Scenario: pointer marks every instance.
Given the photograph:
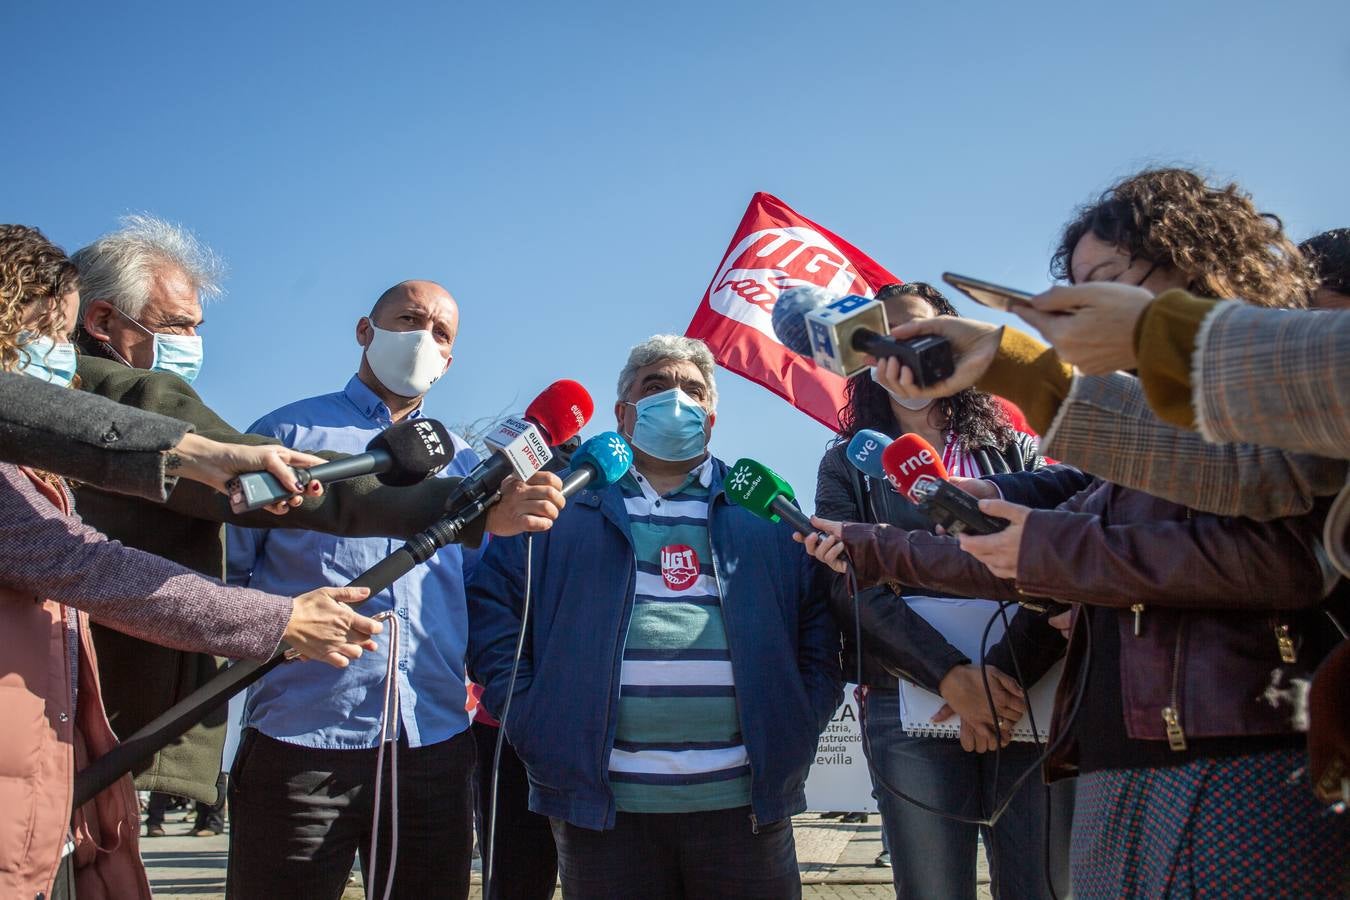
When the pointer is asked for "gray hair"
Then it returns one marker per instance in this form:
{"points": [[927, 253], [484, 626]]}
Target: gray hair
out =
{"points": [[118, 266], [669, 346]]}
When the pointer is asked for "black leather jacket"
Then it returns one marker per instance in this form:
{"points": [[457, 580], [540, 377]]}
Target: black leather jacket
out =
{"points": [[897, 642]]}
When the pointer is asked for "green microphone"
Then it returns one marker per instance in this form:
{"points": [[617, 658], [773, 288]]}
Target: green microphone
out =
{"points": [[759, 489]]}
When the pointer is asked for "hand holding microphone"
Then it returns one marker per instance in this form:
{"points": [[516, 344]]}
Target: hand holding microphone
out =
{"points": [[217, 464], [532, 505], [760, 490], [916, 470], [974, 345], [402, 455], [844, 334]]}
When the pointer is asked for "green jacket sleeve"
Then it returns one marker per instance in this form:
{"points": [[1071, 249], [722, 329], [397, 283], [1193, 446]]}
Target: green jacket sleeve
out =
{"points": [[360, 507]]}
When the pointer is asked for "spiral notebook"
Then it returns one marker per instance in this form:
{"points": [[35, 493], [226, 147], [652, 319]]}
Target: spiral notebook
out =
{"points": [[962, 623]]}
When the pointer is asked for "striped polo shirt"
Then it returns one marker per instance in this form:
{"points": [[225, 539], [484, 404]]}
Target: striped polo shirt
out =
{"points": [[677, 747]]}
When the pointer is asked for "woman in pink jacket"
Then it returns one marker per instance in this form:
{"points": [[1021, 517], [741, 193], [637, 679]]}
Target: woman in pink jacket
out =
{"points": [[55, 575]]}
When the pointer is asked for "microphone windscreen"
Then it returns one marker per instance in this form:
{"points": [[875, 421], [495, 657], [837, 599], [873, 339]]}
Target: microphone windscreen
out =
{"points": [[909, 460], [561, 410], [865, 450], [419, 449], [789, 315], [754, 486], [610, 456]]}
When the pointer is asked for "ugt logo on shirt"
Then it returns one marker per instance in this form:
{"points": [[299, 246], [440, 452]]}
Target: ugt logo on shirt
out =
{"points": [[679, 566]]}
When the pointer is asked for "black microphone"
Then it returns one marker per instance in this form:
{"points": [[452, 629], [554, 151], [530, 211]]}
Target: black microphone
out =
{"points": [[402, 455], [837, 333]]}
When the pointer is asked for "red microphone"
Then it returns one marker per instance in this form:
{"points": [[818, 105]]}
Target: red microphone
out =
{"points": [[520, 445], [561, 410], [916, 470], [909, 460]]}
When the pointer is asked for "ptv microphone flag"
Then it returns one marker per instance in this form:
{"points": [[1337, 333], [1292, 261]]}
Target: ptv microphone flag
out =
{"points": [[775, 249]]}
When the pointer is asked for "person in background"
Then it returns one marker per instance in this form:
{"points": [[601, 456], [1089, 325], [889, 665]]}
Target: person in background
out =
{"points": [[49, 692], [931, 856], [301, 790], [1329, 255]]}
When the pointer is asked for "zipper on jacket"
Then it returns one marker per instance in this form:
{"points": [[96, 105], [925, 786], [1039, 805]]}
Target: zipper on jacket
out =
{"points": [[1285, 642], [630, 601], [726, 625], [1138, 610], [1176, 736]]}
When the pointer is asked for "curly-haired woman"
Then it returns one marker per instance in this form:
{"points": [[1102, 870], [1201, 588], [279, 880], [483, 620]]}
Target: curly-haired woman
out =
{"points": [[933, 856], [55, 574], [1179, 710]]}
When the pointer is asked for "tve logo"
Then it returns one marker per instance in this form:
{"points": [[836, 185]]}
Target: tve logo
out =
{"points": [[867, 449]]}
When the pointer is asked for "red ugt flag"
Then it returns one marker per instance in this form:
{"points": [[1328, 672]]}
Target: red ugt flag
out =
{"points": [[774, 249]]}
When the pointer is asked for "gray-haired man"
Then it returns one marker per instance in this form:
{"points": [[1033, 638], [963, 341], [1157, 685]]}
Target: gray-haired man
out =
{"points": [[681, 648]]}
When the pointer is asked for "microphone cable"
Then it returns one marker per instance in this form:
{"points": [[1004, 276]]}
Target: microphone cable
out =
{"points": [[1000, 808], [388, 735], [489, 848]]}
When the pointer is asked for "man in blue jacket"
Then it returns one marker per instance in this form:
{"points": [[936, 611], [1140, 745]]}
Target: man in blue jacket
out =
{"points": [[679, 665]]}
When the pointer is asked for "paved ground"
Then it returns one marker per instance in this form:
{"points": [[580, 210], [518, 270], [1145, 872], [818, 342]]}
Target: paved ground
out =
{"points": [[836, 862]]}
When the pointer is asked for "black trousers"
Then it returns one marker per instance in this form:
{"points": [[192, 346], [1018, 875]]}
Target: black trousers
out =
{"points": [[208, 816], [527, 862], [299, 816], [668, 856]]}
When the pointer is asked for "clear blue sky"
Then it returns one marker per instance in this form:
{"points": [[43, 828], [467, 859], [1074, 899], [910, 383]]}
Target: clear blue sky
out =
{"points": [[573, 172]]}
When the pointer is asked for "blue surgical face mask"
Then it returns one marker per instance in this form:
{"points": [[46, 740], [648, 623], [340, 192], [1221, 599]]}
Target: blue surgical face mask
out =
{"points": [[49, 360], [670, 426], [177, 354]]}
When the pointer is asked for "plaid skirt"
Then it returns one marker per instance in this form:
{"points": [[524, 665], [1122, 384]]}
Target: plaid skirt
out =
{"points": [[1241, 826]]}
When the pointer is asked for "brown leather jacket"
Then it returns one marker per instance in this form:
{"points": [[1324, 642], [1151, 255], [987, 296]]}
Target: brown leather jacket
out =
{"points": [[1221, 604]]}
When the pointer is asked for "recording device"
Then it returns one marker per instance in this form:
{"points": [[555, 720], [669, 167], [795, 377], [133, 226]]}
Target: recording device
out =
{"points": [[520, 446], [865, 451], [985, 293], [402, 455], [838, 333], [917, 472], [760, 490]]}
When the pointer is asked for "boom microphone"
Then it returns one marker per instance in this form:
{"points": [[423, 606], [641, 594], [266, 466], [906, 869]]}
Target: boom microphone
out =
{"points": [[917, 472], [520, 446], [838, 333], [760, 490], [402, 455]]}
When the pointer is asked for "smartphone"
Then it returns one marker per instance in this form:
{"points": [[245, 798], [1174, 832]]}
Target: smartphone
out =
{"points": [[994, 296]]}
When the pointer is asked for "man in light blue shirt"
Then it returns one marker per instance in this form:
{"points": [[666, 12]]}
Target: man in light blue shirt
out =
{"points": [[302, 788]]}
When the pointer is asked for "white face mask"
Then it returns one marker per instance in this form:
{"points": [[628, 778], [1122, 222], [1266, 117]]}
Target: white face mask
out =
{"points": [[911, 405], [406, 362]]}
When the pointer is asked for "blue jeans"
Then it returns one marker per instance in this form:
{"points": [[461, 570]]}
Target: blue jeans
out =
{"points": [[933, 857]]}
